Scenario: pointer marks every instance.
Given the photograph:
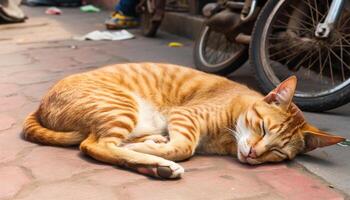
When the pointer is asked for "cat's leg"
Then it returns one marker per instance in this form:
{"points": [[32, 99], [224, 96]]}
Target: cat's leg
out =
{"points": [[110, 125], [184, 132], [106, 149]]}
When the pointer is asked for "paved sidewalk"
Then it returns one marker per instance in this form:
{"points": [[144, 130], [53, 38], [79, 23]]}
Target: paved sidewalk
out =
{"points": [[36, 54]]}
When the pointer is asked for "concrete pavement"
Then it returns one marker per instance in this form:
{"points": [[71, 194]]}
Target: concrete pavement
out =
{"points": [[34, 55]]}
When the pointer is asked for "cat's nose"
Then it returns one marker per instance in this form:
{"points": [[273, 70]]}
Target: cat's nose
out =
{"points": [[252, 153]]}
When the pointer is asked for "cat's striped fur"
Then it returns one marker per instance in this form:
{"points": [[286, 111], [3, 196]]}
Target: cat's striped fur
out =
{"points": [[146, 115]]}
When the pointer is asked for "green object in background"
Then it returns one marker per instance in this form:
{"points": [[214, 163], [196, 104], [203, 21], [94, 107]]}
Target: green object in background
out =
{"points": [[89, 8]]}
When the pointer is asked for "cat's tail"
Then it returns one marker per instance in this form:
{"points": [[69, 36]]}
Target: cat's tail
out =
{"points": [[35, 132]]}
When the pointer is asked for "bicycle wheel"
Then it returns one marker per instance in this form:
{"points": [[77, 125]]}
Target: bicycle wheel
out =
{"points": [[214, 53], [284, 43]]}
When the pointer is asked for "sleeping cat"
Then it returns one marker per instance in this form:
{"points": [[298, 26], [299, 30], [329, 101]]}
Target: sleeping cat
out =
{"points": [[145, 116]]}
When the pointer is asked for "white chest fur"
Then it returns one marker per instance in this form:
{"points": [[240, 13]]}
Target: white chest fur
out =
{"points": [[150, 120]]}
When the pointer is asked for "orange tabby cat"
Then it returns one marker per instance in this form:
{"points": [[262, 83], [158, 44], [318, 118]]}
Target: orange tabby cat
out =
{"points": [[145, 116]]}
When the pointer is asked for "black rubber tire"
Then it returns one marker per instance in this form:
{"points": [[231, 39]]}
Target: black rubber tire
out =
{"points": [[314, 104], [226, 69]]}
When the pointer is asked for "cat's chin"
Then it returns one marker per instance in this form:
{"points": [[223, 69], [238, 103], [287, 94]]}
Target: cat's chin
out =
{"points": [[247, 160], [253, 161]]}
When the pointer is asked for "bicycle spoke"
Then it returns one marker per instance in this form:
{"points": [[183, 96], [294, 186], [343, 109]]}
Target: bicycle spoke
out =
{"points": [[221, 56], [345, 28], [227, 46], [300, 11], [215, 58], [331, 68], [290, 57], [341, 46], [346, 22], [224, 52], [315, 9], [347, 53], [211, 53], [345, 35], [311, 13], [341, 65], [338, 58], [283, 43], [276, 44], [345, 40], [322, 65], [308, 55], [291, 17], [274, 38], [289, 48], [315, 60], [315, 3], [293, 28]]}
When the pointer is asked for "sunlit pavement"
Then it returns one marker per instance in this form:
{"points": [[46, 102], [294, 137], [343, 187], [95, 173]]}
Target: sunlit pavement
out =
{"points": [[36, 54]]}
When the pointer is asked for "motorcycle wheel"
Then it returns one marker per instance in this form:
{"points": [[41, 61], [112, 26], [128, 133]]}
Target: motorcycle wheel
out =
{"points": [[284, 44], [214, 53]]}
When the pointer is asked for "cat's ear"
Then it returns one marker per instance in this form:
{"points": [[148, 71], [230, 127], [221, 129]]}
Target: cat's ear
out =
{"points": [[314, 138], [283, 94]]}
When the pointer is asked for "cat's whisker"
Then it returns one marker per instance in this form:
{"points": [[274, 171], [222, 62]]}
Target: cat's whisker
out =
{"points": [[232, 132]]}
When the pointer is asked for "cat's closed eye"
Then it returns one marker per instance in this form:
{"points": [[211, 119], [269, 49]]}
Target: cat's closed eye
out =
{"points": [[279, 153], [263, 128]]}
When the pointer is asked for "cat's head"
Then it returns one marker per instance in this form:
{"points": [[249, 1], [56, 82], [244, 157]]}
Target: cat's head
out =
{"points": [[274, 129]]}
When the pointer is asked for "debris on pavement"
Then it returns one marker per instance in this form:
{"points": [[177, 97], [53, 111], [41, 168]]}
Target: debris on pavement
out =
{"points": [[89, 8], [175, 44], [53, 11], [345, 143], [107, 35]]}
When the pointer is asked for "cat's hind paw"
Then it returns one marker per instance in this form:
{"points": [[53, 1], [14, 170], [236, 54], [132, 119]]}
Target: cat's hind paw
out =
{"points": [[167, 170], [171, 170]]}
